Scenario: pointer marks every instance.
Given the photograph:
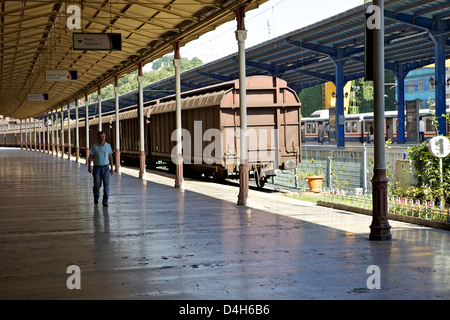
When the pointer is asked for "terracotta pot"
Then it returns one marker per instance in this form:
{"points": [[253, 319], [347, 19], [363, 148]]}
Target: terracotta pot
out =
{"points": [[315, 183]]}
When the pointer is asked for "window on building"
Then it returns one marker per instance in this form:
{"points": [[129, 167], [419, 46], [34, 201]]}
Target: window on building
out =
{"points": [[421, 85], [411, 86], [421, 104]]}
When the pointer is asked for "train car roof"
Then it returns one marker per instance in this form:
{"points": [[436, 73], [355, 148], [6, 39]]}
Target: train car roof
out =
{"points": [[253, 82]]}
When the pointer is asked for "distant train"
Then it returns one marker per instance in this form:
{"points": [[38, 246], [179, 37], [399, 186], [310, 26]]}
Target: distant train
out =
{"points": [[211, 114], [356, 126]]}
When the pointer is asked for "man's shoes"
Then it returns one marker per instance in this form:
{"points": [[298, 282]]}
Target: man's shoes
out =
{"points": [[96, 202], [105, 204]]}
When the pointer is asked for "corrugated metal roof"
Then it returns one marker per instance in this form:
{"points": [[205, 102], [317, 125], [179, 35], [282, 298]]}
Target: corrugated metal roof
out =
{"points": [[191, 102], [34, 37], [302, 57]]}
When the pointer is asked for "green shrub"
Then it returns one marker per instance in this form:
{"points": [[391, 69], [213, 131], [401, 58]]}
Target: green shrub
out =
{"points": [[428, 186]]}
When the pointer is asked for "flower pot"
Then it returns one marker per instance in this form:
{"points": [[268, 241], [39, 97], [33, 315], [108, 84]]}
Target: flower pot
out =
{"points": [[315, 183]]}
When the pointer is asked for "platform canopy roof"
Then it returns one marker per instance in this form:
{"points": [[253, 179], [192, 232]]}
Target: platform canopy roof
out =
{"points": [[35, 37], [307, 56]]}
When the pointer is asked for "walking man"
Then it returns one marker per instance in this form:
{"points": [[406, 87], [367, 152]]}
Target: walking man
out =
{"points": [[101, 153]]}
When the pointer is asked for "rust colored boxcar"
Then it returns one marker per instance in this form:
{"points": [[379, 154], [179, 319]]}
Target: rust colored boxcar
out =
{"points": [[211, 128]]}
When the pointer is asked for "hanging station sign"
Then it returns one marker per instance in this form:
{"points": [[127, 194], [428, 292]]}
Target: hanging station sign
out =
{"points": [[37, 96], [61, 75], [97, 41]]}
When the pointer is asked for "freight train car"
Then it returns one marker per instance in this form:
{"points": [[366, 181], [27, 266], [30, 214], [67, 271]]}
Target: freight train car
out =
{"points": [[211, 123], [211, 129]]}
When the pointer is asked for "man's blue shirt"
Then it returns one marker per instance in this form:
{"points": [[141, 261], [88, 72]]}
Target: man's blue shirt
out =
{"points": [[101, 154]]}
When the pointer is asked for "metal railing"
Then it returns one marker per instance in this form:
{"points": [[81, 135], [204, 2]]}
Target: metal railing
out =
{"points": [[400, 206], [354, 198], [419, 208]]}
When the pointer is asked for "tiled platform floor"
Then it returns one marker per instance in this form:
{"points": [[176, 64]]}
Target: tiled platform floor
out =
{"points": [[158, 242]]}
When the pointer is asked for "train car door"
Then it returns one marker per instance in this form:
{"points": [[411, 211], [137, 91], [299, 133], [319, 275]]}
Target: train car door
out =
{"points": [[390, 129]]}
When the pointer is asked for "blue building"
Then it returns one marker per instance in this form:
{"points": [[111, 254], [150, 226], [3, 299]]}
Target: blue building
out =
{"points": [[419, 84]]}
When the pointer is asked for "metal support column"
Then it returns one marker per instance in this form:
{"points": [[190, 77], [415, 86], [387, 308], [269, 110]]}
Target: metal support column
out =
{"points": [[99, 109], [69, 138], [179, 181], [141, 123], [26, 134], [35, 134], [77, 134], [21, 136], [53, 134], [116, 91], [30, 131], [401, 74], [241, 36], [339, 83], [380, 228], [86, 103], [440, 40], [40, 132], [56, 132], [62, 133], [48, 135]]}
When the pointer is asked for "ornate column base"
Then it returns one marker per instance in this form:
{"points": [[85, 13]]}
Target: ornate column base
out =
{"points": [[117, 160], [179, 180], [142, 165], [243, 183], [380, 229]]}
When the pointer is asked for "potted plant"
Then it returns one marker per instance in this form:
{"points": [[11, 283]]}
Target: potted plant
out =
{"points": [[315, 176], [313, 173]]}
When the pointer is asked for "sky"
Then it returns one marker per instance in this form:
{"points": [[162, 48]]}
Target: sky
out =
{"points": [[272, 19]]}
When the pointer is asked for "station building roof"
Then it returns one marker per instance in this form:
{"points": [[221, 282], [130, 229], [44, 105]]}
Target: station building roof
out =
{"points": [[306, 57], [35, 37]]}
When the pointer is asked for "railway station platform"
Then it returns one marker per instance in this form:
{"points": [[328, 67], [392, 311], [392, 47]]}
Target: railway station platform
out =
{"points": [[158, 242]]}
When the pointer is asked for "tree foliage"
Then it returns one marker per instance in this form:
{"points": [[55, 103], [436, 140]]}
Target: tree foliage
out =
{"points": [[428, 186], [311, 99], [161, 68], [364, 96], [427, 172]]}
